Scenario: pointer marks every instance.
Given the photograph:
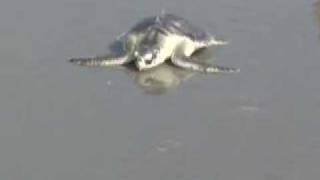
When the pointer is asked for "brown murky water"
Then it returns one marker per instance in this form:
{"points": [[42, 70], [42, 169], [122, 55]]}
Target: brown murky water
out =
{"points": [[60, 121]]}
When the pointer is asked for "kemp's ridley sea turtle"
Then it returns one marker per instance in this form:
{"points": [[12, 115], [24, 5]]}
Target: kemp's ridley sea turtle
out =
{"points": [[156, 39]]}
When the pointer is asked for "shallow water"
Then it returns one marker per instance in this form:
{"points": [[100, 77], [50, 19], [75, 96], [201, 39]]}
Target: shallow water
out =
{"points": [[61, 121]]}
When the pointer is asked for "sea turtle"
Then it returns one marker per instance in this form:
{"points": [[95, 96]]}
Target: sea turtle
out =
{"points": [[159, 38]]}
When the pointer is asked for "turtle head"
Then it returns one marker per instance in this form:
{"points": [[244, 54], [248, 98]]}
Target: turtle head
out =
{"points": [[147, 57]]}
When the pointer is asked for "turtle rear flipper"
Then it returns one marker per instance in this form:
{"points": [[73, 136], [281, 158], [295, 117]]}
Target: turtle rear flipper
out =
{"points": [[108, 60]]}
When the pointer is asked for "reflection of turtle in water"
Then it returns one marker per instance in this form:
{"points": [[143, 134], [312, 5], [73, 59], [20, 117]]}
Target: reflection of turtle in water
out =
{"points": [[157, 39], [160, 79]]}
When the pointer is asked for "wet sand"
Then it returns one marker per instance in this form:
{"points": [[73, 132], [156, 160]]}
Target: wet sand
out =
{"points": [[61, 121]]}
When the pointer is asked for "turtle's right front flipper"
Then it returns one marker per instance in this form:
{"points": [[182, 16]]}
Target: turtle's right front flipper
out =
{"points": [[108, 60]]}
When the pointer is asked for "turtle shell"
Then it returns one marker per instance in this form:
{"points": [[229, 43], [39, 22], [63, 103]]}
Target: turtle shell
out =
{"points": [[169, 24]]}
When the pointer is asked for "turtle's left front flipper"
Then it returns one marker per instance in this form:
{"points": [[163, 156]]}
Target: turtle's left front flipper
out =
{"points": [[108, 60], [185, 63]]}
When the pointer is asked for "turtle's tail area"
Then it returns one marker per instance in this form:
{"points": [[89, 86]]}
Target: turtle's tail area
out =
{"points": [[221, 69], [98, 61]]}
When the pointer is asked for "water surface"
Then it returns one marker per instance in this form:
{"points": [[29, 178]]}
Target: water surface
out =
{"points": [[61, 121]]}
